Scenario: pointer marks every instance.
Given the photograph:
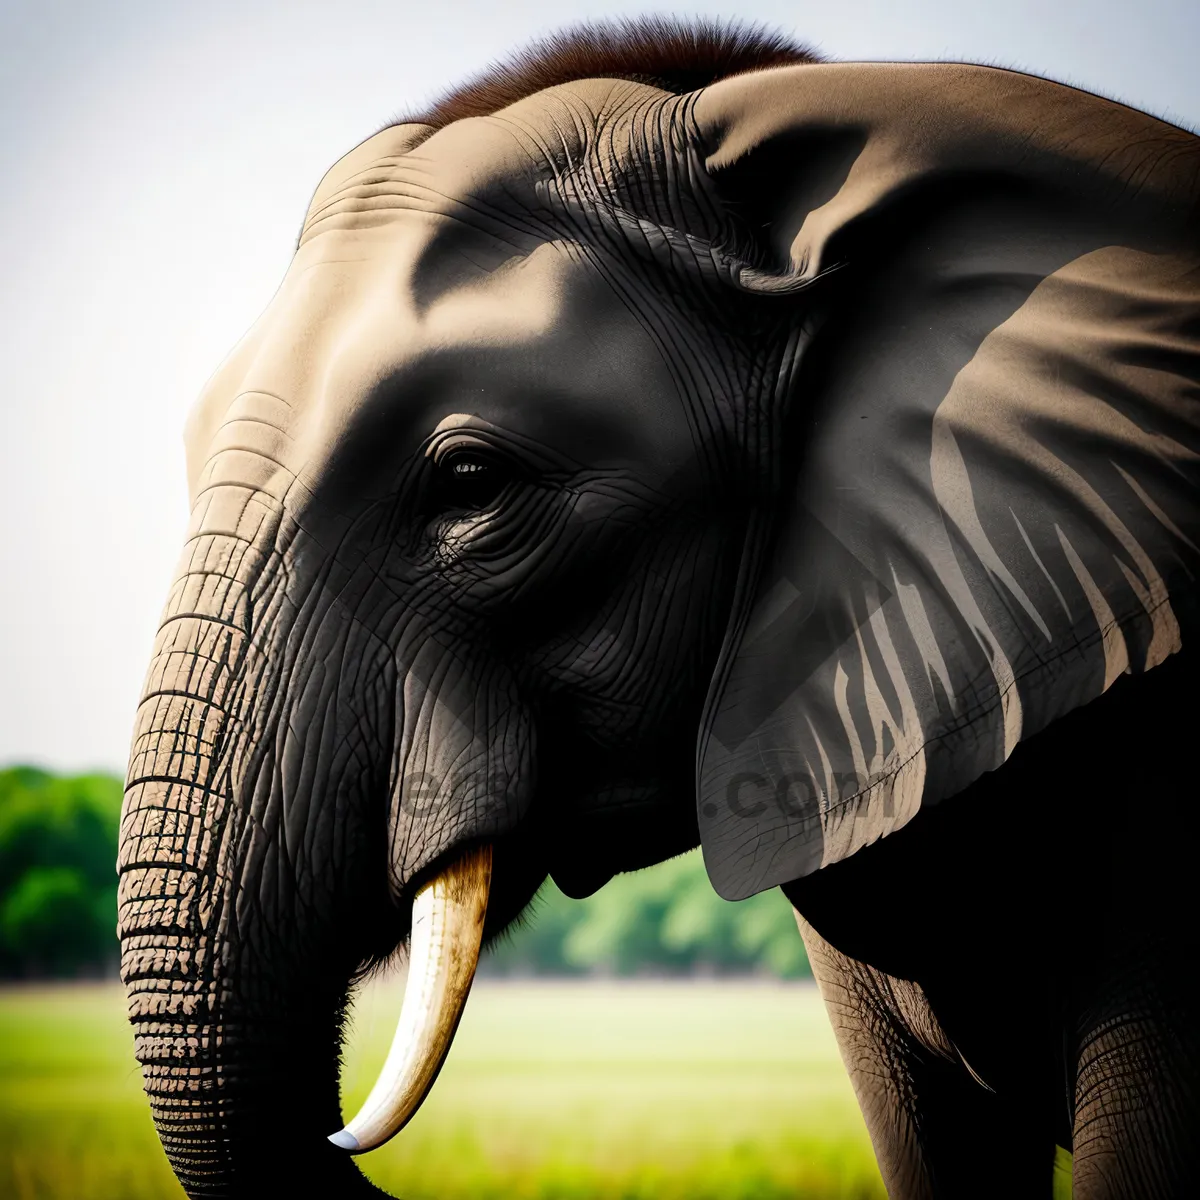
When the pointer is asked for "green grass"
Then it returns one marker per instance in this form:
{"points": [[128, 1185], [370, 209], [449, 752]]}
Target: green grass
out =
{"points": [[553, 1091], [686, 1089], [73, 1121]]}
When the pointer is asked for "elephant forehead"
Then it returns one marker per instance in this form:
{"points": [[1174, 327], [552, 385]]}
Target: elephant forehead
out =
{"points": [[540, 343], [483, 166], [382, 332], [474, 163]]}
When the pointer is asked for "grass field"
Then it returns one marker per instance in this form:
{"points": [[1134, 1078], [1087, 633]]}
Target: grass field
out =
{"points": [[553, 1091]]}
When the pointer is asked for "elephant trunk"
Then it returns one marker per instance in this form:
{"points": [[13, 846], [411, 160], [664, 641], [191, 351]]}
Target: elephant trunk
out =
{"points": [[238, 1043]]}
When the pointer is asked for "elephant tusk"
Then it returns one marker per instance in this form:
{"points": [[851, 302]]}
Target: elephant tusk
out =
{"points": [[447, 929]]}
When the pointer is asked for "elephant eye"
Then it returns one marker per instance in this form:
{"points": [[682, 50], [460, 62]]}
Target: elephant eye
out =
{"points": [[471, 481]]}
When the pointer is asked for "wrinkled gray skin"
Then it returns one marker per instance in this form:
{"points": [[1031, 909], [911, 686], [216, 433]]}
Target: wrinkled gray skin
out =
{"points": [[359, 673], [369, 662]]}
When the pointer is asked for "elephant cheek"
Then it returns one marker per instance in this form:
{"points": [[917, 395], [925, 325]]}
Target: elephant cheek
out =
{"points": [[464, 771]]}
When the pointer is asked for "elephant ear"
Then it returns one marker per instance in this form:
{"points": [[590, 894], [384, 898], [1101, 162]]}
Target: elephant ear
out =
{"points": [[992, 449]]}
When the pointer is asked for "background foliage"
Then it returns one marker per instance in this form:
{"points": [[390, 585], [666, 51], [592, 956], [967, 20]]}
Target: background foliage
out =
{"points": [[58, 895], [58, 845], [666, 920]]}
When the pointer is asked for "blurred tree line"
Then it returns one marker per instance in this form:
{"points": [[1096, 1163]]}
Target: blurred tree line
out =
{"points": [[664, 920], [58, 885], [58, 847]]}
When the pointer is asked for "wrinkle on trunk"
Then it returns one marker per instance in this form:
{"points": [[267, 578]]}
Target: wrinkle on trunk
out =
{"points": [[240, 1071], [173, 846]]}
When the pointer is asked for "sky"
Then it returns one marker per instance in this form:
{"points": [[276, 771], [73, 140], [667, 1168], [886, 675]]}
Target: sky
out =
{"points": [[157, 161]]}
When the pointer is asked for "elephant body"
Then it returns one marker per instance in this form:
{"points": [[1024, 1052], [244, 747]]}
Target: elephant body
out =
{"points": [[995, 994], [671, 440]]}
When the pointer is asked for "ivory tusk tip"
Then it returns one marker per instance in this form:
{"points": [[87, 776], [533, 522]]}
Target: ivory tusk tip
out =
{"points": [[447, 929], [344, 1140]]}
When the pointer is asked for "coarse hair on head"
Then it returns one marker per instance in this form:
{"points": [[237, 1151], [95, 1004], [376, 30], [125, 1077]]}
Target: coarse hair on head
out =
{"points": [[670, 53]]}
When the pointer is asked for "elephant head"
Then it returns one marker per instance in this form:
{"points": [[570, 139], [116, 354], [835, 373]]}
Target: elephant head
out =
{"points": [[630, 459]]}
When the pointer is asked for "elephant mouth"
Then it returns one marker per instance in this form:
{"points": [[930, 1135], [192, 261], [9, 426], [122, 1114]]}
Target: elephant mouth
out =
{"points": [[592, 843], [450, 917], [447, 932]]}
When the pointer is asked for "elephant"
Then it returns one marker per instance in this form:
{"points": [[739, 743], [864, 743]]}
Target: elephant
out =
{"points": [[671, 438]]}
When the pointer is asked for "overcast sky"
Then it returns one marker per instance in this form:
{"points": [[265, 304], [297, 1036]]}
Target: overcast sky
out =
{"points": [[157, 161]]}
